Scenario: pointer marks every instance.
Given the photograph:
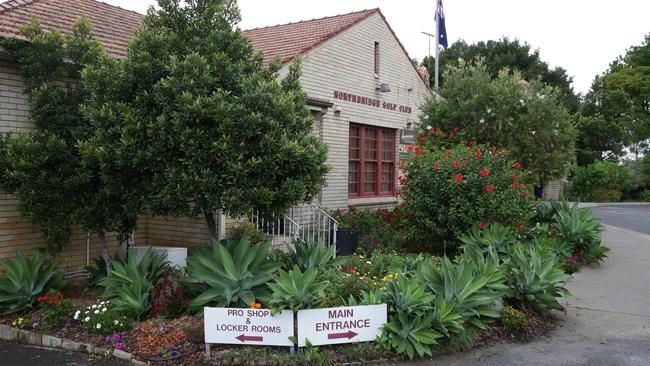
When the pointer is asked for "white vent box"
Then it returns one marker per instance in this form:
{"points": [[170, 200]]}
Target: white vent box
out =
{"points": [[176, 256]]}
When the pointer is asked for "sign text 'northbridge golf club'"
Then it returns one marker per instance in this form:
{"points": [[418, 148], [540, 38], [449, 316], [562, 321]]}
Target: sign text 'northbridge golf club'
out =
{"points": [[371, 102]]}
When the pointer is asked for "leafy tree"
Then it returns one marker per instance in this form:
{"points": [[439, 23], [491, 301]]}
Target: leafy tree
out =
{"points": [[616, 111], [54, 185], [504, 53], [528, 119], [194, 120]]}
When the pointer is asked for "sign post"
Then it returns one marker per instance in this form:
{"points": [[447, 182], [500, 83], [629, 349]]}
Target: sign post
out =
{"points": [[255, 327], [341, 325]]}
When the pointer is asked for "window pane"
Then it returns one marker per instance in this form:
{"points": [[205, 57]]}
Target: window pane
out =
{"points": [[387, 145], [370, 144], [387, 173], [353, 178], [369, 177], [355, 143]]}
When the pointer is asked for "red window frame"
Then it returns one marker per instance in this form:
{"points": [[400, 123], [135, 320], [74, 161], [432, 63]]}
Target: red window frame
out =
{"points": [[361, 162]]}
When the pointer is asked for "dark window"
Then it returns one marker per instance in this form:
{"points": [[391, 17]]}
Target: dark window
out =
{"points": [[377, 58], [371, 161]]}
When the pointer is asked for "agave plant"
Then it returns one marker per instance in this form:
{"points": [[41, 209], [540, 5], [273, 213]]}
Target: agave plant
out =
{"points": [[535, 278], [408, 334], [25, 279], [367, 298], [235, 275], [498, 236], [296, 290], [471, 291], [314, 255], [447, 320], [131, 283], [404, 295], [579, 227]]}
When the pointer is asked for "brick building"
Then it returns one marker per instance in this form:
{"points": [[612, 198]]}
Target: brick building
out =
{"points": [[363, 91]]}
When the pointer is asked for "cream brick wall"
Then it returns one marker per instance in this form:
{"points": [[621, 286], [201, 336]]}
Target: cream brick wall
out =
{"points": [[346, 64]]}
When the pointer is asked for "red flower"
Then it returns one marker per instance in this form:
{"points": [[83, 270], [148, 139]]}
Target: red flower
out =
{"points": [[424, 151], [352, 269], [520, 225], [59, 294], [421, 132], [471, 143], [516, 184], [494, 149], [437, 128], [514, 177], [485, 172], [459, 178], [456, 164], [50, 302], [432, 132], [422, 138], [478, 153], [455, 129], [451, 136], [517, 165], [482, 225], [58, 302], [448, 153], [442, 135], [436, 166], [409, 148], [489, 189], [526, 194]]}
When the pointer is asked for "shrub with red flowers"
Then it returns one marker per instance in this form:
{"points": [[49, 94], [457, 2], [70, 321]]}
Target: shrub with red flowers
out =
{"points": [[448, 189], [170, 297], [55, 308]]}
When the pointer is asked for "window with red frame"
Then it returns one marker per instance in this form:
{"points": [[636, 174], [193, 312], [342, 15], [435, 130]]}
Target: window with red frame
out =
{"points": [[371, 161]]}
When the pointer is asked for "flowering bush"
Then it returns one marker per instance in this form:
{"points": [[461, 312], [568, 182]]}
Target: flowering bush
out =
{"points": [[55, 308], [24, 324], [170, 299], [115, 341], [446, 191], [512, 319], [102, 318], [601, 182]]}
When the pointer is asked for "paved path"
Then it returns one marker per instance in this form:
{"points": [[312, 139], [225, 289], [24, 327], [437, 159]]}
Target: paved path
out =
{"points": [[632, 217], [18, 355], [608, 323]]}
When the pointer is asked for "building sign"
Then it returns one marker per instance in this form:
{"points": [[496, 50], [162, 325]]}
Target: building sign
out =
{"points": [[341, 325], [371, 102], [406, 138], [248, 327]]}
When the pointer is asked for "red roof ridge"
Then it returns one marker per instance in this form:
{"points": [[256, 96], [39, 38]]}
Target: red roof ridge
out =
{"points": [[12, 4], [113, 6], [371, 11]]}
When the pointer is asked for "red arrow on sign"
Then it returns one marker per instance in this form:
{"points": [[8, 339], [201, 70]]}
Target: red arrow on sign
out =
{"points": [[349, 335], [243, 338]]}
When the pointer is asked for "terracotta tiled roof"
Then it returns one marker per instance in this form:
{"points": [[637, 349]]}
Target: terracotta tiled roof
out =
{"points": [[113, 26], [288, 40]]}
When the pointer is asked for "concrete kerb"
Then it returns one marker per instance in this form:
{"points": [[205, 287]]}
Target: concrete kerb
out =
{"points": [[610, 204], [9, 333]]}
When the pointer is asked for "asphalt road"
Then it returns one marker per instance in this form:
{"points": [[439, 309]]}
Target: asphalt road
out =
{"points": [[18, 355], [636, 218]]}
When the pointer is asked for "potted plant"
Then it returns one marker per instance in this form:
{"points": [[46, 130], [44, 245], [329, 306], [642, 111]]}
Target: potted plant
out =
{"points": [[347, 236]]}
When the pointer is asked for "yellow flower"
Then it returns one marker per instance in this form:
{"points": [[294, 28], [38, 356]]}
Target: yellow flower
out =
{"points": [[384, 278], [13, 323], [20, 321]]}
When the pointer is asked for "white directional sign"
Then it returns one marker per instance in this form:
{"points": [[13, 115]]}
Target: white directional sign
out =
{"points": [[341, 325], [248, 327]]}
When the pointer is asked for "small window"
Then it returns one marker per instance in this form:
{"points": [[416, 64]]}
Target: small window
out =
{"points": [[371, 161], [376, 58]]}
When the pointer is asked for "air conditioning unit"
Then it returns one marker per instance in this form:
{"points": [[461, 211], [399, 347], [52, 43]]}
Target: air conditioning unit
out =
{"points": [[176, 256]]}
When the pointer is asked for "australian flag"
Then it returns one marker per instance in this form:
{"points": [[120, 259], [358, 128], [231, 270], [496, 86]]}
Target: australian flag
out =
{"points": [[442, 30]]}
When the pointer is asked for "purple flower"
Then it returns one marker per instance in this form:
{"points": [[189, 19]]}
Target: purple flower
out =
{"points": [[119, 345], [107, 339], [35, 325], [117, 337], [174, 350]]}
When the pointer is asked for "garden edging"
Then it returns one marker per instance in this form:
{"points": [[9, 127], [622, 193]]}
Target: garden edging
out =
{"points": [[9, 333]]}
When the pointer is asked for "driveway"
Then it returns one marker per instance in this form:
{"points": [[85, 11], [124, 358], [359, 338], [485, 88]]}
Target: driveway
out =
{"points": [[608, 323], [12, 354]]}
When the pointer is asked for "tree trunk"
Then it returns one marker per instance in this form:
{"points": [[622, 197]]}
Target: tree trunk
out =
{"points": [[212, 226], [105, 253]]}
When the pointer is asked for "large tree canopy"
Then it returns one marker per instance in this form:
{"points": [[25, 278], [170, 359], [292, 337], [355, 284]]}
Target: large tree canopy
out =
{"points": [[194, 121], [528, 119], [45, 169], [504, 53], [616, 111]]}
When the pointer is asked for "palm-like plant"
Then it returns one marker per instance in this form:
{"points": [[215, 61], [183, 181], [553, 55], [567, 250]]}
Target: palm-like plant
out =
{"points": [[497, 236], [535, 278], [578, 227], [131, 283], [296, 290], [25, 279], [235, 275], [409, 334], [314, 255], [407, 296]]}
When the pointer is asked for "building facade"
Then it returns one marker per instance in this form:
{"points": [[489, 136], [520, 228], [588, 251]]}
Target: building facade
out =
{"points": [[362, 88]]}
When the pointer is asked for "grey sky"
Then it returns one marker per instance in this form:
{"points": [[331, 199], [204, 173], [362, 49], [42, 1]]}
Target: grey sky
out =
{"points": [[583, 36]]}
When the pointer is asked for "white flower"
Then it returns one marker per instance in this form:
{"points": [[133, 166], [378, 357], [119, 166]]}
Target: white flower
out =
{"points": [[102, 303], [94, 306], [76, 315], [86, 312], [482, 120], [489, 110], [98, 326], [86, 319], [104, 310], [121, 324], [369, 262], [426, 117], [96, 312], [521, 101], [116, 322], [429, 127]]}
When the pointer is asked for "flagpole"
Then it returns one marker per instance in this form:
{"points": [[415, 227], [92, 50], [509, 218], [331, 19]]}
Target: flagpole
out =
{"points": [[437, 45]]}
